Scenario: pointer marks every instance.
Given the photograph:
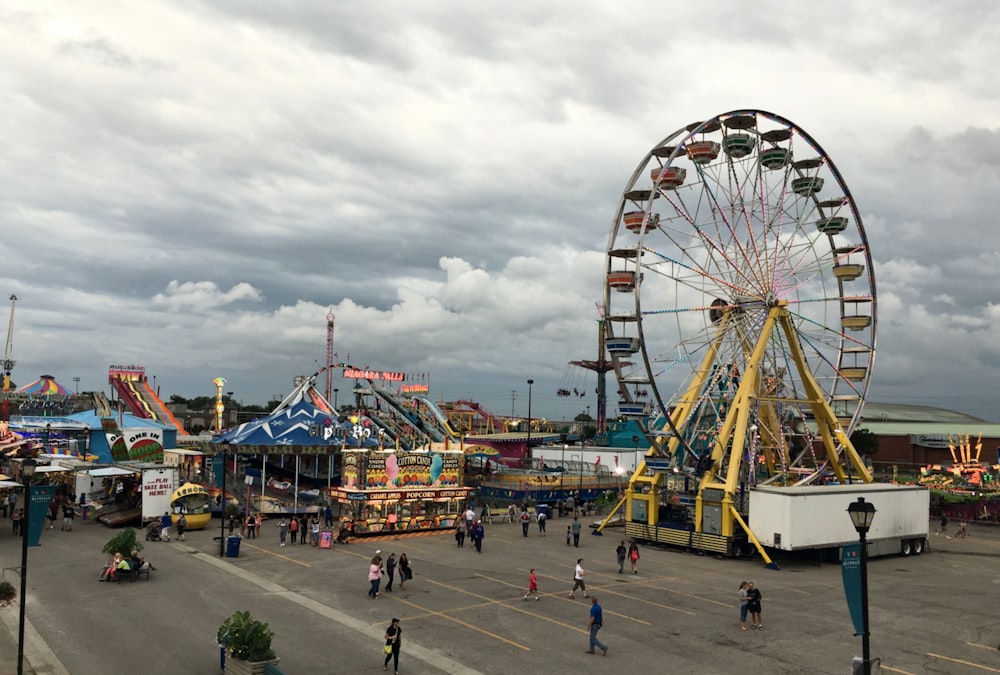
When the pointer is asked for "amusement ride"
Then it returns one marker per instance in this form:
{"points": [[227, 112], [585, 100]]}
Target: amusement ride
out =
{"points": [[740, 321]]}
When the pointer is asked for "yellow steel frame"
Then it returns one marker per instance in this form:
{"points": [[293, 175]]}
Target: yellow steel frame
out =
{"points": [[727, 452]]}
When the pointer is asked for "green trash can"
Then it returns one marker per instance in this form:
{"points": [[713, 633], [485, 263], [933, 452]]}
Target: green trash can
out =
{"points": [[233, 547]]}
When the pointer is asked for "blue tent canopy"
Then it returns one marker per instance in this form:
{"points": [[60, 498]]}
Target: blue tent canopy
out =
{"points": [[298, 426]]}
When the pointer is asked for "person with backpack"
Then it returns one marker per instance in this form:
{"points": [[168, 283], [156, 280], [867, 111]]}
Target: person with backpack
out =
{"points": [[621, 552], [525, 522], [182, 524]]}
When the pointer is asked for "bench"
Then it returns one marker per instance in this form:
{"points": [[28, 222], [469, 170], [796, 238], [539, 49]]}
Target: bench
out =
{"points": [[133, 574]]}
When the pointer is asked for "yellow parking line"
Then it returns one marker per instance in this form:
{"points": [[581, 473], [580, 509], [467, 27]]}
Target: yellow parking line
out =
{"points": [[276, 555], [896, 670], [601, 588], [493, 601], [976, 644], [463, 623], [964, 663]]}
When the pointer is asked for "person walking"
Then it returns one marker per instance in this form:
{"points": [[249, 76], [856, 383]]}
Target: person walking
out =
{"points": [[460, 534], [15, 520], [390, 572], [576, 532], [405, 573], [470, 520], [753, 606], [293, 529], [633, 557], [541, 523], [182, 524], [744, 598], [165, 524], [525, 522], [393, 642], [282, 530], [578, 575], [532, 585], [569, 535], [943, 528], [314, 530], [68, 514], [259, 524], [374, 577], [328, 516], [621, 552], [478, 533], [251, 527], [595, 624], [303, 529], [12, 502]]}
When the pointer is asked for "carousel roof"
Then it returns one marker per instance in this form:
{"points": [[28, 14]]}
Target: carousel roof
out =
{"points": [[45, 385], [303, 419]]}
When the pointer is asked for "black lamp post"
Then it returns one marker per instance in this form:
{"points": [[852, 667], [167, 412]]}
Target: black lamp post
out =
{"points": [[28, 470], [527, 459], [862, 513]]}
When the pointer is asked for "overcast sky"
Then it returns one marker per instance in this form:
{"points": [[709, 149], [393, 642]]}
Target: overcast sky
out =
{"points": [[193, 186]]}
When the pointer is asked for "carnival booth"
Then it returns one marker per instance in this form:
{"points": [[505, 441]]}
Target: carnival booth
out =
{"points": [[192, 501], [393, 490], [302, 440]]}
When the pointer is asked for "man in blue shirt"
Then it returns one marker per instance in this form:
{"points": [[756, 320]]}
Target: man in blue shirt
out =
{"points": [[596, 622]]}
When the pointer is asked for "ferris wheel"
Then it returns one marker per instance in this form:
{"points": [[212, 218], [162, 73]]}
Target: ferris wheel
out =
{"points": [[740, 304]]}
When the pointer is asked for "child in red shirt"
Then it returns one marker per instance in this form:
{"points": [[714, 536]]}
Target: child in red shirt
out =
{"points": [[532, 585]]}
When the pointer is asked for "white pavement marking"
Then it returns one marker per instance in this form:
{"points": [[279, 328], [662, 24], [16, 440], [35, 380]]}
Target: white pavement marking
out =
{"points": [[428, 656]]}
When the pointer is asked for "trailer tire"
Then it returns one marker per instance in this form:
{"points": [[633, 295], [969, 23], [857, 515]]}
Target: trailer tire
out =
{"points": [[906, 548], [918, 546]]}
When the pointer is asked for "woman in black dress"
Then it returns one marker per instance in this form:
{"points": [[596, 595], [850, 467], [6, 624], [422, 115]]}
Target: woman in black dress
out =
{"points": [[404, 571]]}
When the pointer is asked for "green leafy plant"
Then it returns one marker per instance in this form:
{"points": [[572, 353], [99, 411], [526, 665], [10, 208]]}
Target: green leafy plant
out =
{"points": [[232, 511], [246, 638], [7, 593], [124, 542]]}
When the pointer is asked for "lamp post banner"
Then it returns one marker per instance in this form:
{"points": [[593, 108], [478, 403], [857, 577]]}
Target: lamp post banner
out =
{"points": [[40, 496], [850, 568]]}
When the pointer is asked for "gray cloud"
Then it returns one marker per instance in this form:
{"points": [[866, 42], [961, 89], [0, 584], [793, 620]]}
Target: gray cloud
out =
{"points": [[194, 186]]}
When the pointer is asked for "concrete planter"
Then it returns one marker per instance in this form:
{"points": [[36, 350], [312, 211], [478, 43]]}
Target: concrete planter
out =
{"points": [[240, 667]]}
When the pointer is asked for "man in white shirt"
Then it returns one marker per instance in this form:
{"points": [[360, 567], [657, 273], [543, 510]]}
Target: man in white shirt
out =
{"points": [[578, 580], [470, 520]]}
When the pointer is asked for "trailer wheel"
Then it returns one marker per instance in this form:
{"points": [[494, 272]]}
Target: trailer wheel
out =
{"points": [[918, 546], [906, 548]]}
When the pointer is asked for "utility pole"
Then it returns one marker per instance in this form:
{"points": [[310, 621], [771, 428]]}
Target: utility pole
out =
{"points": [[513, 397]]}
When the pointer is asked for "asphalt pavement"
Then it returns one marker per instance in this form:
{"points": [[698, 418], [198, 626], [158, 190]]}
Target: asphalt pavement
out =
{"points": [[463, 612]]}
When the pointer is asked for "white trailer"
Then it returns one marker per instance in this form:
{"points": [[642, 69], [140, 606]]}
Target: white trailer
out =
{"points": [[158, 485], [815, 517]]}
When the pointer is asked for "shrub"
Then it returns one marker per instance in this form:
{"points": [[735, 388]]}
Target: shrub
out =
{"points": [[124, 542], [246, 638]]}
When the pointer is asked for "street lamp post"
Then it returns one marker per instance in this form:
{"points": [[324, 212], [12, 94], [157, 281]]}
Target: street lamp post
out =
{"points": [[76, 380], [528, 448], [862, 513], [635, 452], [335, 390], [28, 470]]}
